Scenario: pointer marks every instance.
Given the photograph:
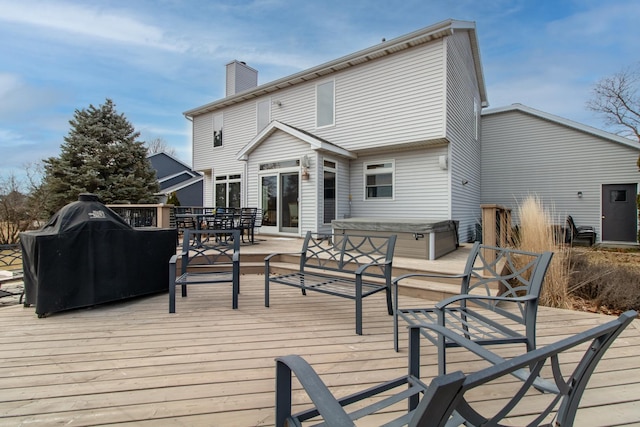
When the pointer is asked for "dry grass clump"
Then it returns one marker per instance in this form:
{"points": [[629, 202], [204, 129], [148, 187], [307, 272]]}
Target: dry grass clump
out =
{"points": [[536, 234], [607, 278]]}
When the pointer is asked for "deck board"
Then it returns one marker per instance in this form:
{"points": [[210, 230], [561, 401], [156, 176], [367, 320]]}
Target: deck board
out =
{"points": [[133, 363]]}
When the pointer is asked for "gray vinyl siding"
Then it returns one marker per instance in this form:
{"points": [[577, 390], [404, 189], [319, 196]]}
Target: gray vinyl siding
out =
{"points": [[420, 186], [464, 155], [525, 155], [395, 100]]}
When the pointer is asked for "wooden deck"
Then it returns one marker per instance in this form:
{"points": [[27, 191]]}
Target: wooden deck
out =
{"points": [[133, 363]]}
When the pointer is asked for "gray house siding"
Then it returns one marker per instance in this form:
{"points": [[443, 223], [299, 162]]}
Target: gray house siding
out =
{"points": [[464, 151], [420, 186], [524, 155], [391, 103]]}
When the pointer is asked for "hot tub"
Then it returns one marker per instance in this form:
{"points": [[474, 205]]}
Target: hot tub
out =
{"points": [[417, 238]]}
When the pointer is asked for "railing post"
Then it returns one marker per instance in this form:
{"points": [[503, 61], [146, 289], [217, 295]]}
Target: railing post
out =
{"points": [[496, 229]]}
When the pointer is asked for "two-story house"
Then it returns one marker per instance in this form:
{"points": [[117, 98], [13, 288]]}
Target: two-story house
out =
{"points": [[390, 138], [388, 132]]}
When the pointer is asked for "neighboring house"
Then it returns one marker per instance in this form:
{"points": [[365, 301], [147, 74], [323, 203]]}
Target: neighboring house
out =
{"points": [[387, 132], [392, 132], [575, 169], [175, 176]]}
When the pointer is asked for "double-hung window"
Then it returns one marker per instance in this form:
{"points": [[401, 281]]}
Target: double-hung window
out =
{"points": [[325, 104], [263, 114], [378, 179]]}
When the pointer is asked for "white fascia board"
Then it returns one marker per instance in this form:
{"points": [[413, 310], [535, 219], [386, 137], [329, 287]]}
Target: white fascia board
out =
{"points": [[315, 143]]}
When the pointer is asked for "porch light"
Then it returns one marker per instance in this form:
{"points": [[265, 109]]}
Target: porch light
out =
{"points": [[305, 167]]}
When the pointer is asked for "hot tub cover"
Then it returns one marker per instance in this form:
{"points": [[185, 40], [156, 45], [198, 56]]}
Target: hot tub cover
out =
{"points": [[86, 255], [406, 225]]}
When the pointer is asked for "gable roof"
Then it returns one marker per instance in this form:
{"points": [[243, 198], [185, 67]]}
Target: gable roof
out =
{"points": [[564, 122], [163, 154], [425, 35], [315, 142], [181, 185]]}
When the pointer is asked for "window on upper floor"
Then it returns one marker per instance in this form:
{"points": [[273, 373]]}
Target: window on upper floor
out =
{"points": [[378, 180], [325, 104], [217, 130], [263, 112]]}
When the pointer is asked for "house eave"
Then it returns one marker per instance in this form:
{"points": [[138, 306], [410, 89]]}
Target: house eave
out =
{"points": [[315, 143]]}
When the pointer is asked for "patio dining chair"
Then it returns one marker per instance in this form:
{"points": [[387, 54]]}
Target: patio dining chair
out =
{"points": [[497, 303]]}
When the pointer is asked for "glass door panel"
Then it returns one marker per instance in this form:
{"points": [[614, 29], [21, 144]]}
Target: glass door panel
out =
{"points": [[289, 197], [269, 196]]}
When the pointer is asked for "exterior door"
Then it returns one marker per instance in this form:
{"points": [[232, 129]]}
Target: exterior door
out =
{"points": [[279, 202], [619, 212]]}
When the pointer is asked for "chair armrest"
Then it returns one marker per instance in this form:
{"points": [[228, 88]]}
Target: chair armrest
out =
{"points": [[438, 276], [174, 259], [326, 404], [458, 339], [448, 301]]}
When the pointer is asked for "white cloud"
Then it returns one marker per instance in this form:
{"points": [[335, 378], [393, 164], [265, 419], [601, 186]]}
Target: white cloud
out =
{"points": [[87, 20]]}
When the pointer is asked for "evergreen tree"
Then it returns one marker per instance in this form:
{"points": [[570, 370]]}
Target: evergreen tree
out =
{"points": [[100, 155]]}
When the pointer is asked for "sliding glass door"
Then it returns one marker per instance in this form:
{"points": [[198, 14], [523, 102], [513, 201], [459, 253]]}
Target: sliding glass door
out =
{"points": [[279, 202]]}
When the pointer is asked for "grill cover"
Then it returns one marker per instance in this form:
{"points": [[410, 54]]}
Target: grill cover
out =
{"points": [[87, 255]]}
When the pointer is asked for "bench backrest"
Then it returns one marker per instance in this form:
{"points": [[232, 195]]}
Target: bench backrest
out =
{"points": [[569, 379], [348, 252], [511, 273], [209, 247]]}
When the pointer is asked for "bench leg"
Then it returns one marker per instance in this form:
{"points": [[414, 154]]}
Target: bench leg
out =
{"points": [[266, 284], [359, 305]]}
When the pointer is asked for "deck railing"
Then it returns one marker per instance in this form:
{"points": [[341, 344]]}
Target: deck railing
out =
{"points": [[146, 215]]}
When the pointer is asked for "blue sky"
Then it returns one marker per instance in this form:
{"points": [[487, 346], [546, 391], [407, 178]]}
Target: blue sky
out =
{"points": [[158, 58]]}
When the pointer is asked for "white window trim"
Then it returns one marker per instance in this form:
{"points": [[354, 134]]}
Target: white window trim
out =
{"points": [[333, 118], [382, 171]]}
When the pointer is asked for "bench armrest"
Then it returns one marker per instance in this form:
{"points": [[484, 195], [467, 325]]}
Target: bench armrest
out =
{"points": [[268, 257], [360, 270]]}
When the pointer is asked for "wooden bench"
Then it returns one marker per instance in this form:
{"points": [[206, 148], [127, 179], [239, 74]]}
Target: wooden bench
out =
{"points": [[552, 382], [345, 265], [497, 304]]}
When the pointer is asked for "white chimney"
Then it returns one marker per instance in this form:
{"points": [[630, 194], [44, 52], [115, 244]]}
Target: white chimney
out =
{"points": [[240, 77]]}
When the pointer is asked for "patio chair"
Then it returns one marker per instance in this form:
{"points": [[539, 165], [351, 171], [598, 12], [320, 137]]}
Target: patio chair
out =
{"points": [[497, 303], [444, 400], [247, 222], [207, 257], [584, 232]]}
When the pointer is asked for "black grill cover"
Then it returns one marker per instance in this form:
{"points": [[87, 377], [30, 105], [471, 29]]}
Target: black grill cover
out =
{"points": [[86, 255]]}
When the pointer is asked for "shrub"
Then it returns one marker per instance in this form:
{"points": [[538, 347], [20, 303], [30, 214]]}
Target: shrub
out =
{"points": [[610, 279], [536, 234]]}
